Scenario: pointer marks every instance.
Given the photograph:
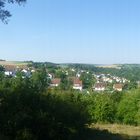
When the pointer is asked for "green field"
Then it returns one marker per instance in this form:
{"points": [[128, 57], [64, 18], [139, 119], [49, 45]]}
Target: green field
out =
{"points": [[14, 63]]}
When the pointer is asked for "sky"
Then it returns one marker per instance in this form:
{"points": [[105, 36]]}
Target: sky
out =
{"points": [[73, 31]]}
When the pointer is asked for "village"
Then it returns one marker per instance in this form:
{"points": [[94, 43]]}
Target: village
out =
{"points": [[81, 80], [102, 82]]}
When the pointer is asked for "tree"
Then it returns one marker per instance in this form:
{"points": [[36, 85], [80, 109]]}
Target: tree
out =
{"points": [[26, 115], [88, 80], [39, 80], [1, 69], [5, 14], [128, 108], [101, 108]]}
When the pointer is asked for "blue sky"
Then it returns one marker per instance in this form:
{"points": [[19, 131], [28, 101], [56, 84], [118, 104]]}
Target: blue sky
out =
{"points": [[78, 31]]}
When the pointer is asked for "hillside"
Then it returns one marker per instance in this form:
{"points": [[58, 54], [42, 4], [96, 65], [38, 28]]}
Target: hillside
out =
{"points": [[14, 63]]}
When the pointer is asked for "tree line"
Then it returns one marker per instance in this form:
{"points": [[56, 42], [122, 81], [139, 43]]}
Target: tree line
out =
{"points": [[30, 111]]}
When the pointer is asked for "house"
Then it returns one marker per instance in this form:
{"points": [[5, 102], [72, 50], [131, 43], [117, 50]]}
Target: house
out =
{"points": [[10, 70], [110, 81], [73, 70], [55, 82], [8, 73], [107, 79], [77, 84], [33, 70], [50, 76], [100, 86], [24, 70], [26, 73], [118, 87], [78, 75]]}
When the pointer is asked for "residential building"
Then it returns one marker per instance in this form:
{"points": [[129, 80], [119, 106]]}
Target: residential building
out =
{"points": [[118, 87], [77, 84], [99, 86], [55, 82]]}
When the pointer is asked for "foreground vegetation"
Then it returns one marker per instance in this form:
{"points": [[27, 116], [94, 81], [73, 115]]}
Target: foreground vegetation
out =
{"points": [[30, 110]]}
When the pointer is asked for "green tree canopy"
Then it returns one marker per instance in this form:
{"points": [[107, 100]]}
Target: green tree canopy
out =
{"points": [[128, 108]]}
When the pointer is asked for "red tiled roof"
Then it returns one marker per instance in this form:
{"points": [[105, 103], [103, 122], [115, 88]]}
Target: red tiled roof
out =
{"points": [[10, 67], [118, 86], [77, 81], [100, 85], [56, 81]]}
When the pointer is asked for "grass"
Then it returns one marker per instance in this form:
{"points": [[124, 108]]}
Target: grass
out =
{"points": [[110, 66], [128, 130]]}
